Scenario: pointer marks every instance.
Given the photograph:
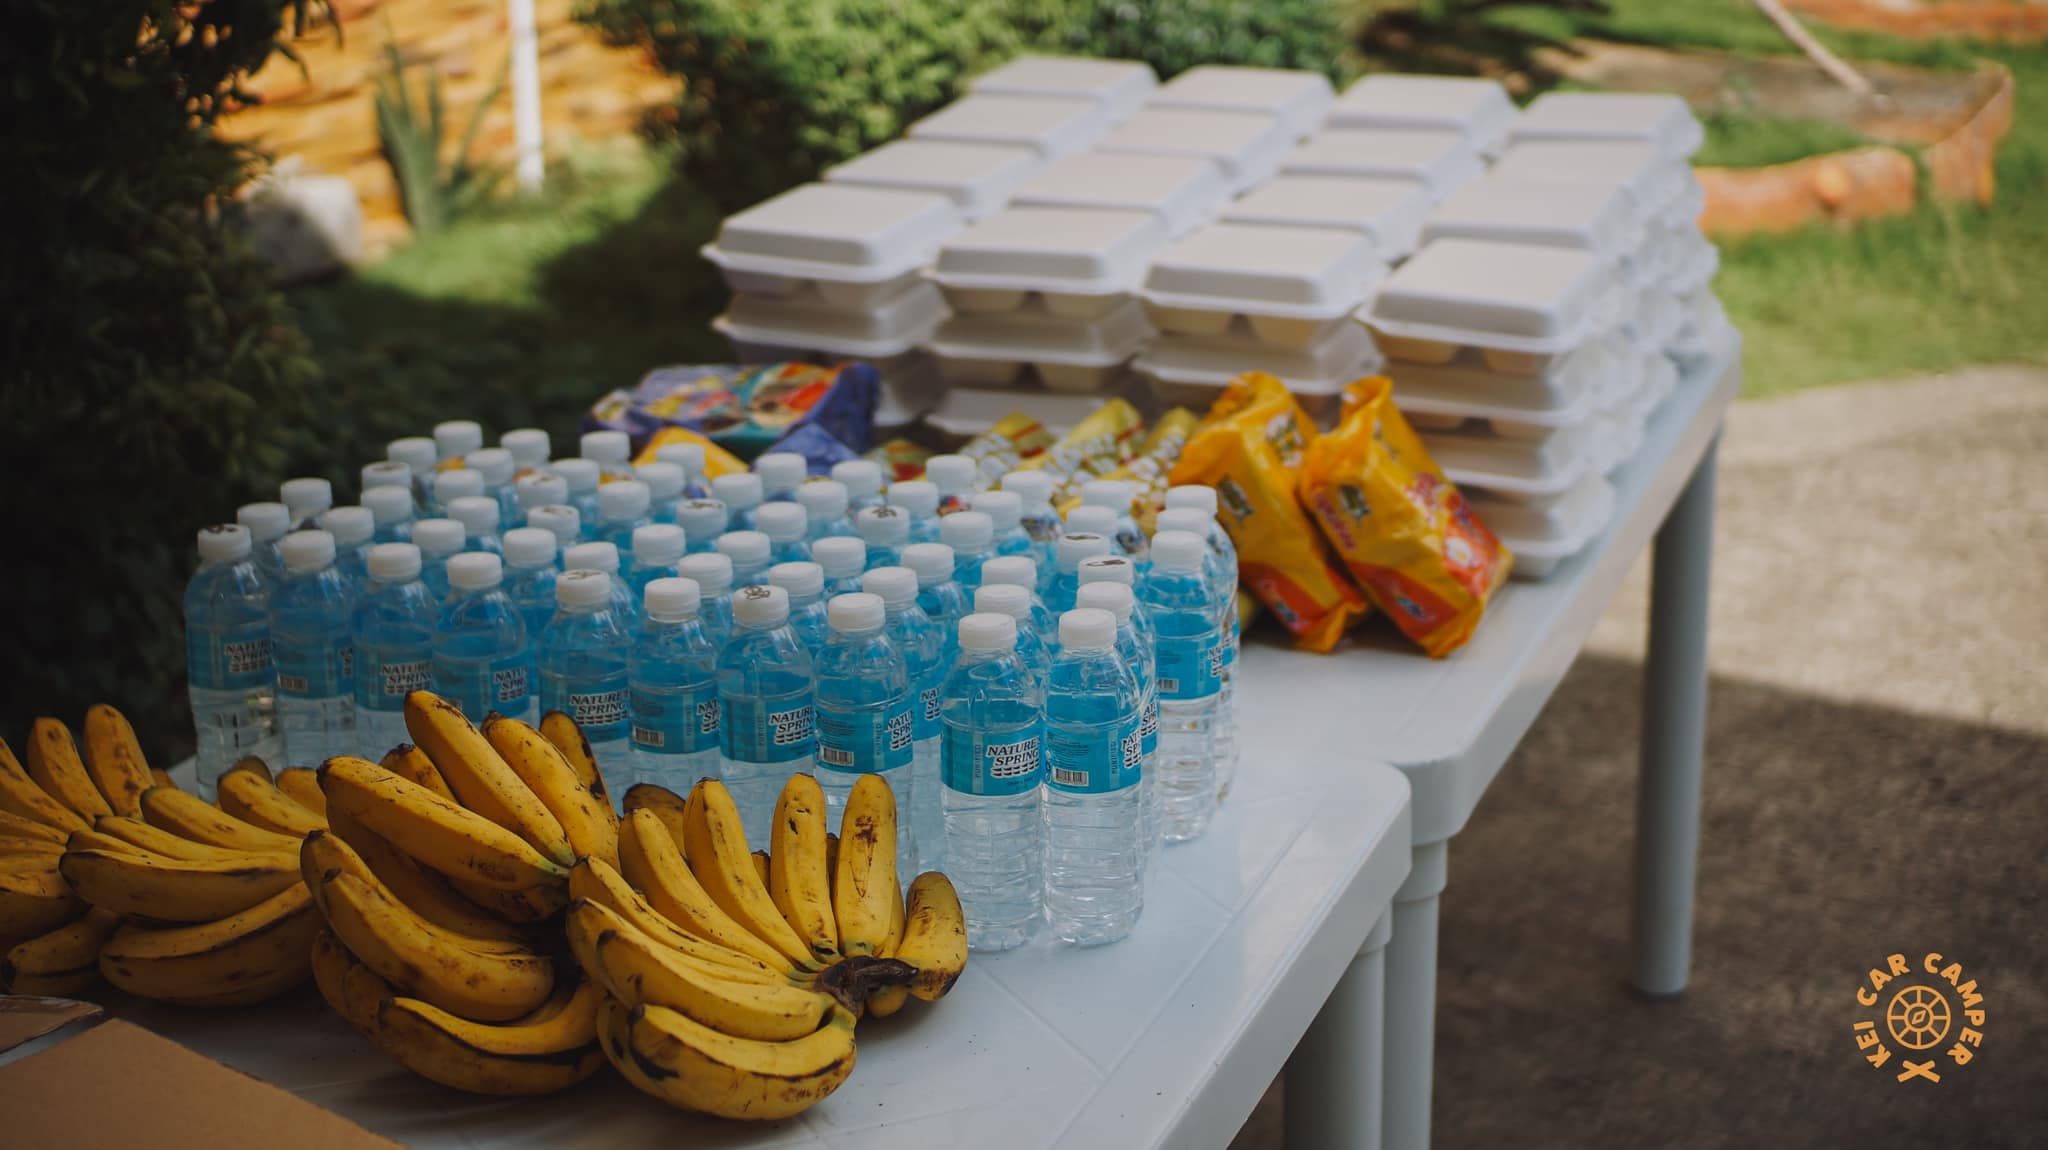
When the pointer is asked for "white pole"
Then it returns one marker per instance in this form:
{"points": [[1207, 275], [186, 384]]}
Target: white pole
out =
{"points": [[526, 95]]}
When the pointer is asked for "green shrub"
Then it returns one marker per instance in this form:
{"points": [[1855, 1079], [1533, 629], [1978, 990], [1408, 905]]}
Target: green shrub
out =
{"points": [[149, 370], [1175, 35]]}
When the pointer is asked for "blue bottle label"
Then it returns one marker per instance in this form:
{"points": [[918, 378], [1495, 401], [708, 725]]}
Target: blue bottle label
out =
{"points": [[231, 660], [383, 683], [1148, 726], [864, 742], [767, 730], [675, 722], [503, 685], [1096, 761], [1236, 630], [599, 709], [316, 670], [927, 706], [985, 762], [1189, 668]]}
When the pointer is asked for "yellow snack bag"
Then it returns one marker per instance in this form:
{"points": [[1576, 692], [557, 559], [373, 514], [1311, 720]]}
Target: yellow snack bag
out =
{"points": [[717, 460], [898, 459], [1095, 447], [1147, 470], [1004, 448], [1404, 531], [1247, 389], [1280, 555]]}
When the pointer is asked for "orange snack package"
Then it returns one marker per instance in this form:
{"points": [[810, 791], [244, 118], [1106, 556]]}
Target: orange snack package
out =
{"points": [[1245, 455], [1404, 531], [717, 460]]}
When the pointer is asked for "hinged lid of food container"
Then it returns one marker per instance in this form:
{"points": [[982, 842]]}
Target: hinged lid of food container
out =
{"points": [[1299, 99], [1049, 125], [1477, 109], [1641, 117], [1299, 273], [1512, 296], [1181, 190], [978, 178], [1081, 250], [1118, 85], [1589, 217], [1246, 145], [1440, 161], [836, 232]]}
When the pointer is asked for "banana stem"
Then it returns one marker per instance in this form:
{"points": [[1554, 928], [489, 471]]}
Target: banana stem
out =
{"points": [[851, 980]]}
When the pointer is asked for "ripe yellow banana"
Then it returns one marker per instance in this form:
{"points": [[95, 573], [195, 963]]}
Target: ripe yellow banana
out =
{"points": [[480, 777], [716, 848], [684, 1063], [325, 852], [761, 870], [417, 960], [865, 891], [61, 962], [257, 801], [23, 796], [449, 838], [412, 764], [302, 786], [54, 764], [561, 730], [95, 841], [553, 1052], [34, 898], [164, 889], [156, 840], [934, 936], [585, 813], [243, 958], [331, 965], [887, 1000], [651, 862], [192, 817], [11, 847], [664, 804], [14, 826], [595, 881], [419, 888], [798, 878], [528, 905], [636, 969], [114, 760], [253, 763]]}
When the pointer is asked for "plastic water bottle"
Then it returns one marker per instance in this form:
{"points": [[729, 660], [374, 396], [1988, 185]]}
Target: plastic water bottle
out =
{"points": [[804, 583], [390, 513], [439, 540], [750, 553], [1092, 520], [420, 456], [702, 521], [918, 498], [786, 524], [863, 480], [601, 556], [483, 659], [612, 451], [766, 720], [538, 489], [582, 476], [741, 494], [971, 535], [386, 473], [664, 489], [781, 472], [1039, 519], [657, 548], [886, 532], [1094, 816], [315, 655], [560, 520], [354, 530], [1201, 501], [581, 659], [672, 684], [689, 457], [923, 648], [530, 575], [1190, 661], [864, 715], [992, 764], [456, 483], [1022, 571], [1074, 546], [1134, 647], [1015, 602], [228, 653], [496, 466], [712, 573], [941, 598], [529, 448], [1115, 496], [456, 438], [622, 507], [393, 632], [1005, 513], [842, 558], [956, 477], [478, 515], [825, 505], [267, 523], [306, 500]]}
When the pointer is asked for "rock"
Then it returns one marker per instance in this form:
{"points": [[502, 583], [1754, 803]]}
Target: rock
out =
{"points": [[303, 226]]}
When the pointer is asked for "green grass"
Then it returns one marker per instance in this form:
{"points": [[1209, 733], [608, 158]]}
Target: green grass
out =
{"points": [[1749, 140]]}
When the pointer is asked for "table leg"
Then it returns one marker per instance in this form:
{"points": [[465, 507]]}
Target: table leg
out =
{"points": [[1333, 1077], [1674, 734], [1410, 1052]]}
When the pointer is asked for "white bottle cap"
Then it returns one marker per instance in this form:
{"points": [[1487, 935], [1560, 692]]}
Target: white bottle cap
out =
{"points": [[583, 588], [416, 452], [350, 525], [702, 518], [782, 522], [306, 497], [394, 562], [388, 504], [495, 464], [1003, 599], [823, 499], [932, 562], [798, 578], [1092, 519], [855, 612], [266, 522], [1114, 494], [917, 496], [951, 473], [744, 548], [608, 448], [1030, 486], [478, 514], [386, 473], [663, 480], [896, 585], [968, 531], [712, 571], [781, 470], [1183, 519], [438, 537], [688, 456], [1193, 497], [883, 526], [224, 542], [1180, 552], [475, 570], [623, 499], [1114, 598], [457, 483], [457, 438], [1106, 569], [1087, 629], [988, 631], [530, 446], [540, 488], [863, 477], [307, 551], [739, 491], [1003, 508], [841, 556], [529, 547], [761, 606], [657, 544], [562, 521], [1020, 570], [580, 474], [592, 557], [671, 600], [1074, 547]]}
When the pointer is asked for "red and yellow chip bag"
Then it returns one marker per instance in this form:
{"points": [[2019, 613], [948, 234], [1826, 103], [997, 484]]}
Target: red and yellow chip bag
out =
{"points": [[1403, 531], [1243, 453]]}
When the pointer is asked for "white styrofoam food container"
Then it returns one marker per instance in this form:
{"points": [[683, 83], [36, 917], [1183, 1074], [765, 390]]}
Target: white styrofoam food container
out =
{"points": [[1118, 86], [1048, 125], [1515, 469], [1706, 325], [1544, 534], [1478, 110], [1443, 396], [1523, 307], [1388, 212], [1192, 370], [857, 246], [994, 348], [1081, 263], [1291, 284], [978, 178], [966, 412], [1693, 264], [1299, 100], [1181, 190], [1588, 217], [1441, 162], [1653, 180], [806, 320], [1653, 317], [1247, 146], [1660, 120]]}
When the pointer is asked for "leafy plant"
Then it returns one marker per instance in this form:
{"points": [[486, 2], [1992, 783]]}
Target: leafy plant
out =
{"points": [[1175, 35], [1493, 37], [411, 131]]}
